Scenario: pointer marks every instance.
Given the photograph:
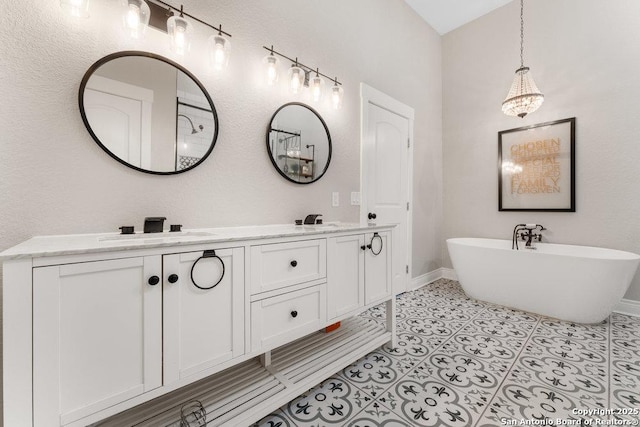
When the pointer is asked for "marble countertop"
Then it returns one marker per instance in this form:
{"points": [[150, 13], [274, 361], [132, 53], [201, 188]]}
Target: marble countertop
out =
{"points": [[46, 246]]}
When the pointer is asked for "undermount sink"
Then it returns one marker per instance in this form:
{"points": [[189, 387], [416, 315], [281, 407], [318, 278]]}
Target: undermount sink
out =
{"points": [[154, 237]]}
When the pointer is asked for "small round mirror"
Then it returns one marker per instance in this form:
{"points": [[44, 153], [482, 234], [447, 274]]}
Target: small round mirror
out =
{"points": [[299, 143], [148, 112]]}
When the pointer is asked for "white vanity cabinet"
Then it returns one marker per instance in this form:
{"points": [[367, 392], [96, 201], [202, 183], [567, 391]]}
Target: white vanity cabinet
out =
{"points": [[108, 331], [359, 272], [114, 331], [97, 336], [288, 291], [203, 311]]}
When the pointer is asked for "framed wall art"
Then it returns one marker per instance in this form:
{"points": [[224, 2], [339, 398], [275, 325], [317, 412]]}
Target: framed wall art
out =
{"points": [[536, 167]]}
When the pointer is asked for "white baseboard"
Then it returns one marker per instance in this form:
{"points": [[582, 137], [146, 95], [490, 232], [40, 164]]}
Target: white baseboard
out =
{"points": [[629, 307], [449, 273], [427, 278]]}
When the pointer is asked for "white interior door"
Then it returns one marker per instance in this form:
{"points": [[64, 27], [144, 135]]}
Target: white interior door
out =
{"points": [[116, 123], [120, 116], [387, 130]]}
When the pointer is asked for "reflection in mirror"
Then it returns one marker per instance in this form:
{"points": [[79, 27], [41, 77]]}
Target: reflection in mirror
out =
{"points": [[299, 143], [148, 112]]}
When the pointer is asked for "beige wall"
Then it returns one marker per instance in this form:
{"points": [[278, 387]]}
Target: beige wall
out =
{"points": [[55, 180], [583, 56]]}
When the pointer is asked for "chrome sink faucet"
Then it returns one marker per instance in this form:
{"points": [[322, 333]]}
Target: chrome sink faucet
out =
{"points": [[525, 232]]}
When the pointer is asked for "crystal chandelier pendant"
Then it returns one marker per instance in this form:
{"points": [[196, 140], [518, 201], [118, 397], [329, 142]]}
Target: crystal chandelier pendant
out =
{"points": [[524, 96]]}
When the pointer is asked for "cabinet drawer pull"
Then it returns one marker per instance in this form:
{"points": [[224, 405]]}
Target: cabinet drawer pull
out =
{"points": [[294, 263], [173, 278], [208, 254], [154, 280], [294, 313]]}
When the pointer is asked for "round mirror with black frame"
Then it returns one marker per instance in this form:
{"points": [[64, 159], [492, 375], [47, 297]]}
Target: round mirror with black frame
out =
{"points": [[148, 112], [299, 143]]}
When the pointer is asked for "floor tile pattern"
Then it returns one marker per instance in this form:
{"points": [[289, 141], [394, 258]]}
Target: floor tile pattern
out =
{"points": [[462, 362]]}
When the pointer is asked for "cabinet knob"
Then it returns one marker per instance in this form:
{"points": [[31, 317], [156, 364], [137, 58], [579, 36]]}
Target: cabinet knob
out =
{"points": [[154, 280], [293, 264], [173, 278], [363, 247], [294, 313], [371, 215]]}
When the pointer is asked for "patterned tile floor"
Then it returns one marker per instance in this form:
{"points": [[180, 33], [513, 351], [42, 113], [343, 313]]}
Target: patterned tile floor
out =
{"points": [[462, 362]]}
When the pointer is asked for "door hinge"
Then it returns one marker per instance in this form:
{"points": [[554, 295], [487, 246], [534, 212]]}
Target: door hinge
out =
{"points": [[407, 205], [407, 269], [408, 142]]}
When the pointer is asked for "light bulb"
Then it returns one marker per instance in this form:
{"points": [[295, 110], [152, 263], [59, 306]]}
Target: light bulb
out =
{"points": [[76, 8], [296, 78], [317, 88], [271, 63], [219, 51], [135, 18], [179, 32], [336, 96]]}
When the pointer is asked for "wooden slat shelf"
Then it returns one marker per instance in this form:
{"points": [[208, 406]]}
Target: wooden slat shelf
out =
{"points": [[247, 392]]}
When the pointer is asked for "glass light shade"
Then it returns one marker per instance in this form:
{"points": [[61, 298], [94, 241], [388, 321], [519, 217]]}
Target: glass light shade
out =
{"points": [[219, 47], [271, 67], [524, 96], [179, 32], [337, 94], [77, 8], [316, 85], [135, 17], [296, 79]]}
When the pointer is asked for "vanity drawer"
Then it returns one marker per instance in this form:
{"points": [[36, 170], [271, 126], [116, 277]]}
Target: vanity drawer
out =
{"points": [[280, 265], [280, 319]]}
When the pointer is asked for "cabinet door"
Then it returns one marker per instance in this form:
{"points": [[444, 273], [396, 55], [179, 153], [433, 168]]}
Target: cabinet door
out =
{"points": [[377, 266], [202, 327], [345, 274], [97, 336]]}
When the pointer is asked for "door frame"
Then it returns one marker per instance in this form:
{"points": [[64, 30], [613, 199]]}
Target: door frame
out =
{"points": [[370, 95]]}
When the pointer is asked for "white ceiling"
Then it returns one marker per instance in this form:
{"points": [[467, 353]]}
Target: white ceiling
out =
{"points": [[447, 15]]}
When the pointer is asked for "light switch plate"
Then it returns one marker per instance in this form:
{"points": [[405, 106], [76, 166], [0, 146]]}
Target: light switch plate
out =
{"points": [[355, 198], [335, 199]]}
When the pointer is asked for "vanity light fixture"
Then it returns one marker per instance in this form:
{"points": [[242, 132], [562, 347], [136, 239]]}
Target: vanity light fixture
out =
{"points": [[135, 17], [524, 97], [219, 47], [316, 84], [76, 8], [301, 75], [297, 78], [271, 63], [179, 32], [337, 93]]}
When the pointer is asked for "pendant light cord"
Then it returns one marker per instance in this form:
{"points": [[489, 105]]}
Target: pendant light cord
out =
{"points": [[521, 33]]}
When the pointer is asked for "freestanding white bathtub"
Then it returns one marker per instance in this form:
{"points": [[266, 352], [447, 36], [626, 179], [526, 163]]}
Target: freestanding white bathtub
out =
{"points": [[575, 283]]}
